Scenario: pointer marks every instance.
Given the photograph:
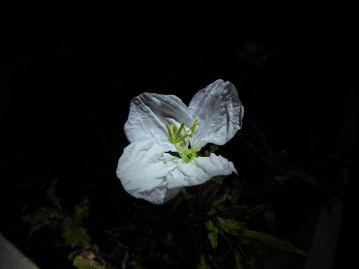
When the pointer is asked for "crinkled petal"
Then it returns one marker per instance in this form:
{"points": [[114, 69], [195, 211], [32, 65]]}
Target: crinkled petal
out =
{"points": [[219, 111], [142, 170], [199, 171], [149, 114]]}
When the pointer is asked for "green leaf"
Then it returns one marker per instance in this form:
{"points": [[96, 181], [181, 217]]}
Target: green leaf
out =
{"points": [[211, 149], [212, 233], [186, 194], [202, 263], [212, 212], [258, 210], [215, 203], [75, 235], [239, 260], [38, 220], [271, 241], [80, 212], [213, 238], [231, 226], [218, 179], [237, 212], [82, 262], [210, 226], [219, 200]]}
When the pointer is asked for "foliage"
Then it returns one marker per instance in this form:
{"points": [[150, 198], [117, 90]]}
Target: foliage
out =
{"points": [[70, 227], [214, 225]]}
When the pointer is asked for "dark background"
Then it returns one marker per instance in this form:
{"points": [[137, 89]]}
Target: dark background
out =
{"points": [[66, 83]]}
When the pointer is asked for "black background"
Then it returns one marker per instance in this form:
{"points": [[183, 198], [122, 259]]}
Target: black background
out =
{"points": [[67, 76]]}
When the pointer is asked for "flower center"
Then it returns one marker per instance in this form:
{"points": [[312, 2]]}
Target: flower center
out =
{"points": [[180, 137]]}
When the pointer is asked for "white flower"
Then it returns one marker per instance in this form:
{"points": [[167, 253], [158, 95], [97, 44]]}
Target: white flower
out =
{"points": [[165, 137]]}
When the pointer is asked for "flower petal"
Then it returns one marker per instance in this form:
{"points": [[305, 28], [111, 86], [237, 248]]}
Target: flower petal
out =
{"points": [[142, 170], [219, 111], [149, 114], [199, 171]]}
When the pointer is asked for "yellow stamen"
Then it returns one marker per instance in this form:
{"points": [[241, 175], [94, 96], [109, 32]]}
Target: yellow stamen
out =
{"points": [[180, 137]]}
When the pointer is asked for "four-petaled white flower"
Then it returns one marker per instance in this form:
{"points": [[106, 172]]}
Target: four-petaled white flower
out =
{"points": [[165, 137]]}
